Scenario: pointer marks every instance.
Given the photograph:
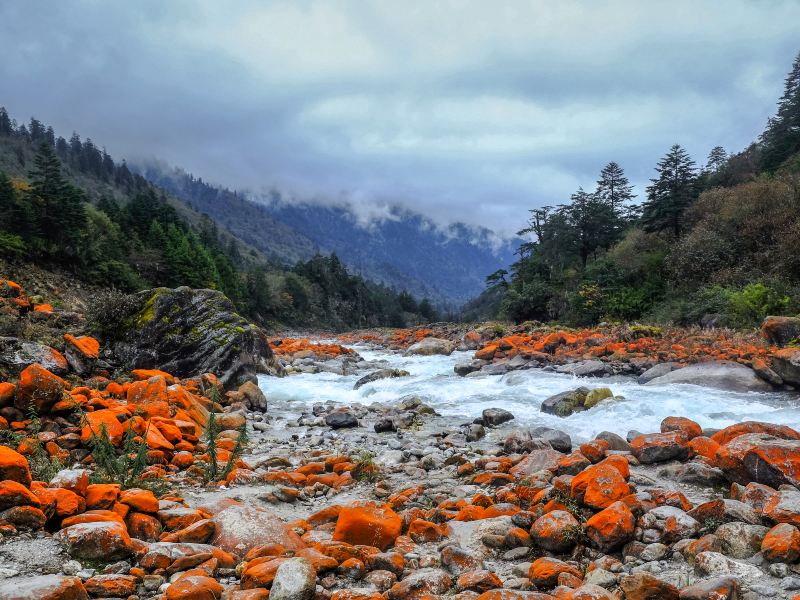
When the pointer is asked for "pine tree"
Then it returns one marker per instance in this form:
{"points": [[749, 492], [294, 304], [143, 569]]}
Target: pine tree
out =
{"points": [[6, 128], [781, 138], [614, 188], [716, 160], [58, 205], [671, 192]]}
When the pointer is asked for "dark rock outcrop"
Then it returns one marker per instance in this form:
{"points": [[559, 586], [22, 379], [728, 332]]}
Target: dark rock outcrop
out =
{"points": [[185, 331], [16, 354]]}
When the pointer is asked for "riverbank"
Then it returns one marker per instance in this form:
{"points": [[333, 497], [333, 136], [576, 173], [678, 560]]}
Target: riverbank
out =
{"points": [[373, 470]]}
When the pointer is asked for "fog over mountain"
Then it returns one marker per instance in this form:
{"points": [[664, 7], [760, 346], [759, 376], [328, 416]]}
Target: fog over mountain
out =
{"points": [[461, 111]]}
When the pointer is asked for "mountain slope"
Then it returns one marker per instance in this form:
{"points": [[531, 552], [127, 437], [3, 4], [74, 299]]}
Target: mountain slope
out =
{"points": [[404, 250]]}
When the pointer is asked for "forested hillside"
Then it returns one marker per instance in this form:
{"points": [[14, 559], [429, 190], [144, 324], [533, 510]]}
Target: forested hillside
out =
{"points": [[397, 250], [67, 204], [715, 244]]}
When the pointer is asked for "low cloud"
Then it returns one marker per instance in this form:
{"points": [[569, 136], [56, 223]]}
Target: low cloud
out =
{"points": [[467, 111]]}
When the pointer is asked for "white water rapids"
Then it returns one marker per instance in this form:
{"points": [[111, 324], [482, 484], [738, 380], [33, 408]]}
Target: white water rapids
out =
{"points": [[522, 392]]}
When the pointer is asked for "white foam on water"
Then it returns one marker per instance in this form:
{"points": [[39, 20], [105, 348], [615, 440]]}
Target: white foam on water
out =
{"points": [[522, 392]]}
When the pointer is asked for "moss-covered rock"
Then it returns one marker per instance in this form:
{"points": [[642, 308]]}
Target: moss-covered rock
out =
{"points": [[186, 331]]}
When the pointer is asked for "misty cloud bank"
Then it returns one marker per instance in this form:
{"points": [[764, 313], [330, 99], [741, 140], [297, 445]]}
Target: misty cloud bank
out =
{"points": [[468, 111]]}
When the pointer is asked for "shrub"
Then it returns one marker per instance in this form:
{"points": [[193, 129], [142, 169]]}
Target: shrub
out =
{"points": [[749, 306], [108, 311]]}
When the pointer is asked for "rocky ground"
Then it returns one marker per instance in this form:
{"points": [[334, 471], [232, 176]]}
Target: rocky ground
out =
{"points": [[378, 502]]}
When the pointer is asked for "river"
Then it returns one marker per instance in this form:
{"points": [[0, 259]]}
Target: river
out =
{"points": [[522, 393]]}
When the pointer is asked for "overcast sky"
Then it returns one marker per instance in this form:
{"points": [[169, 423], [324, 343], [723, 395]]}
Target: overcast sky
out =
{"points": [[472, 111]]}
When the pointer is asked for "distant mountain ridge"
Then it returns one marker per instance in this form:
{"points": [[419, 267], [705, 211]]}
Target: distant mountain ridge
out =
{"points": [[404, 249]]}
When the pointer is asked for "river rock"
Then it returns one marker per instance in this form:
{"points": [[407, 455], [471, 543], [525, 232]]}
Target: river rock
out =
{"points": [[565, 403], [44, 587], [237, 529], [586, 368], [657, 371], [779, 331], [431, 346], [496, 416], [723, 375], [185, 331], [381, 374], [786, 363], [341, 420], [558, 439], [295, 579]]}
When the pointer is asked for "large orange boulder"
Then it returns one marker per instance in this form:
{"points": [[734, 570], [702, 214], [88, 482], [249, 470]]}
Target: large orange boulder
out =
{"points": [[7, 391], [555, 531], [723, 436], [194, 587], [99, 419], [14, 466], [13, 493], [687, 427], [82, 353], [781, 544], [150, 397], [644, 586], [368, 524], [611, 527], [544, 571], [140, 500], [660, 447], [38, 387], [106, 540], [599, 486]]}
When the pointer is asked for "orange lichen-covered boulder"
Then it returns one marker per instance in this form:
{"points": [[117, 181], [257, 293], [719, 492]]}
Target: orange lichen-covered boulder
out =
{"points": [[544, 571], [724, 436], [14, 466], [13, 493], [422, 531], [660, 447], [82, 353], [555, 531], [687, 427], [150, 397], [644, 586], [781, 544], [599, 486], [102, 495], [107, 540], [611, 527], [194, 587], [7, 391], [139, 499], [111, 586], [368, 524], [38, 387], [98, 420]]}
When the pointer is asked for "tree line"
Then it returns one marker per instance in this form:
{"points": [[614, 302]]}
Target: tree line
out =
{"points": [[710, 244]]}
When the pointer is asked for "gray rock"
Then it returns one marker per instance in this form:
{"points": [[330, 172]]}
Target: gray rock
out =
{"points": [[565, 403], [558, 439], [16, 354], [586, 368], [295, 579], [44, 586], [466, 368], [657, 371], [740, 540], [520, 441], [496, 416], [615, 442], [787, 366], [431, 346], [377, 375], [341, 420], [723, 375]]}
